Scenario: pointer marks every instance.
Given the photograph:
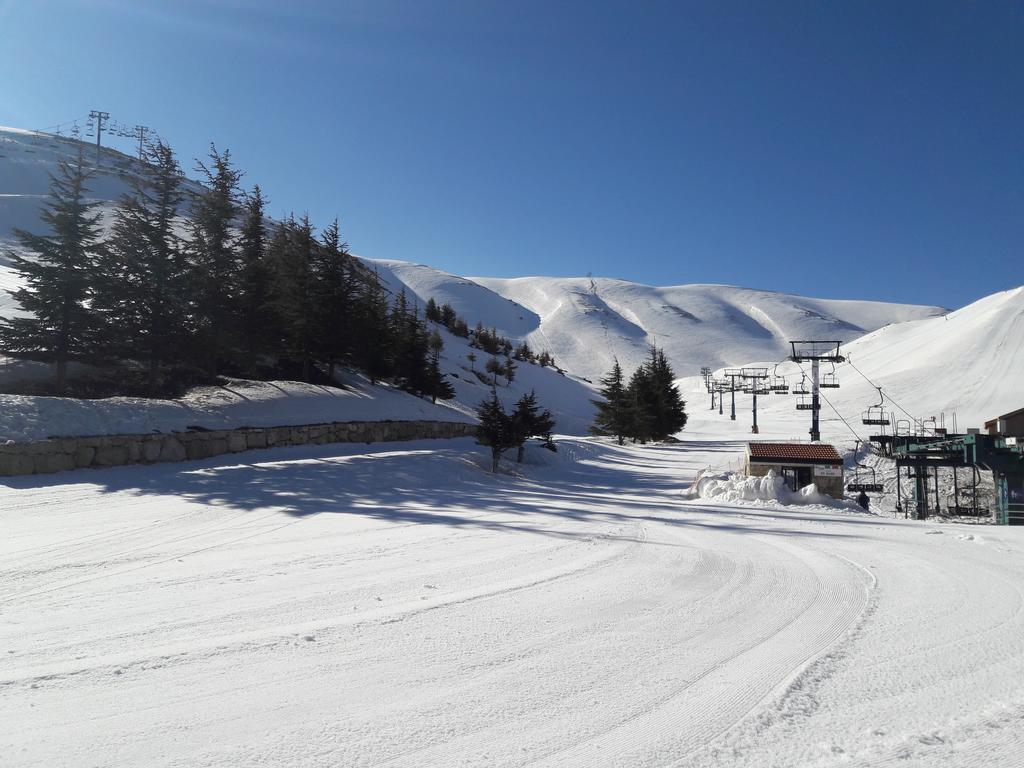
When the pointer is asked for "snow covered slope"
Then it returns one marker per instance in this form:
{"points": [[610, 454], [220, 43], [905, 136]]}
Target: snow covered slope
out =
{"points": [[396, 605], [586, 323], [235, 404], [969, 363], [964, 363], [27, 158]]}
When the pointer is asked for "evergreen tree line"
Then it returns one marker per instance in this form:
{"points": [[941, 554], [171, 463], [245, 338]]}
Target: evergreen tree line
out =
{"points": [[500, 430], [168, 302], [444, 314], [647, 407]]}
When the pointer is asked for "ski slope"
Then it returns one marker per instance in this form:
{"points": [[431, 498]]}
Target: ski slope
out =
{"points": [[968, 364], [384, 605], [586, 323]]}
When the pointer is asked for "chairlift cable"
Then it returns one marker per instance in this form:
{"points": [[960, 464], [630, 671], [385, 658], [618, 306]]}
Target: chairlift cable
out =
{"points": [[911, 416], [822, 396]]}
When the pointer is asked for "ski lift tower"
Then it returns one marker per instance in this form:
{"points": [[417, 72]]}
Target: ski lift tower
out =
{"points": [[732, 374], [755, 383], [815, 353], [705, 373]]}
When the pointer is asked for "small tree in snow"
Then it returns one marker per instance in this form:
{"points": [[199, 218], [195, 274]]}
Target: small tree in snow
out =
{"points": [[495, 429], [528, 420]]}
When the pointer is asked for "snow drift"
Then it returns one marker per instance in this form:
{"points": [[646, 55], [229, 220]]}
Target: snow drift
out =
{"points": [[732, 488]]}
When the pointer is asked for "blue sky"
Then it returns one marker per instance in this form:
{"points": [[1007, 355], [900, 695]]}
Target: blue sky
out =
{"points": [[847, 150]]}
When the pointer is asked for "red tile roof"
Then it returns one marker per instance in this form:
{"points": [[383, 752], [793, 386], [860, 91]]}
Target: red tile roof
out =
{"points": [[818, 453]]}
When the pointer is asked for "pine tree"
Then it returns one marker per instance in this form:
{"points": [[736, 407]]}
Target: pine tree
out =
{"points": [[494, 368], [143, 286], [334, 298], [509, 371], [524, 353], [373, 347], [438, 385], [214, 263], [58, 277], [612, 408], [293, 250], [432, 312], [411, 343], [529, 421], [664, 404], [255, 316], [636, 415], [495, 428], [448, 316]]}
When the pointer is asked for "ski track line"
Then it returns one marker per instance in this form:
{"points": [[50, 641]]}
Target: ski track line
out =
{"points": [[800, 681], [705, 566], [213, 526], [269, 636], [920, 746], [452, 752], [587, 752]]}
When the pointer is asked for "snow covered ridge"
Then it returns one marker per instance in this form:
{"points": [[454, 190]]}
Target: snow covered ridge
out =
{"points": [[587, 322], [239, 404], [583, 322]]}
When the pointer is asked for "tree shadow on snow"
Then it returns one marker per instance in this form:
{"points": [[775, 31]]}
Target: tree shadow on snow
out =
{"points": [[435, 483]]}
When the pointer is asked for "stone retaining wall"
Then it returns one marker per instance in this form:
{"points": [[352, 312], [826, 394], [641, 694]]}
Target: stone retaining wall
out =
{"points": [[58, 454]]}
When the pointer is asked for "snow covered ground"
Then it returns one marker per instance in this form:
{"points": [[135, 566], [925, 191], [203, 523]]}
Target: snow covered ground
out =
{"points": [[235, 404], [372, 605]]}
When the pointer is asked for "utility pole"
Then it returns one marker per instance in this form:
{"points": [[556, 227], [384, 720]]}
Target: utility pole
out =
{"points": [[815, 352], [100, 118]]}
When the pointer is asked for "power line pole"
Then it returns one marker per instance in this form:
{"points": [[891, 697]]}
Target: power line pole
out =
{"points": [[100, 118]]}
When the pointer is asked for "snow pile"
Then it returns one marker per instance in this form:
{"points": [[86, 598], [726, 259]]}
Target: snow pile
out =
{"points": [[771, 487]]}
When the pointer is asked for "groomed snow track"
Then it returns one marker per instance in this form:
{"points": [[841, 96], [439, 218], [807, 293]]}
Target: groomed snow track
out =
{"points": [[364, 606]]}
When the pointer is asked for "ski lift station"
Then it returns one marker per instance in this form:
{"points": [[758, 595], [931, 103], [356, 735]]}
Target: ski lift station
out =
{"points": [[799, 464], [1008, 425]]}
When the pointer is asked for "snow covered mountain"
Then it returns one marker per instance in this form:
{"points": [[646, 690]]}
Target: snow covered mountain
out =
{"points": [[587, 322], [968, 361]]}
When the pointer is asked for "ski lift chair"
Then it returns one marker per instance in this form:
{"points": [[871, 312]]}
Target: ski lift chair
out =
{"points": [[875, 414], [829, 381], [864, 478], [756, 387], [806, 403], [779, 385], [801, 388]]}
